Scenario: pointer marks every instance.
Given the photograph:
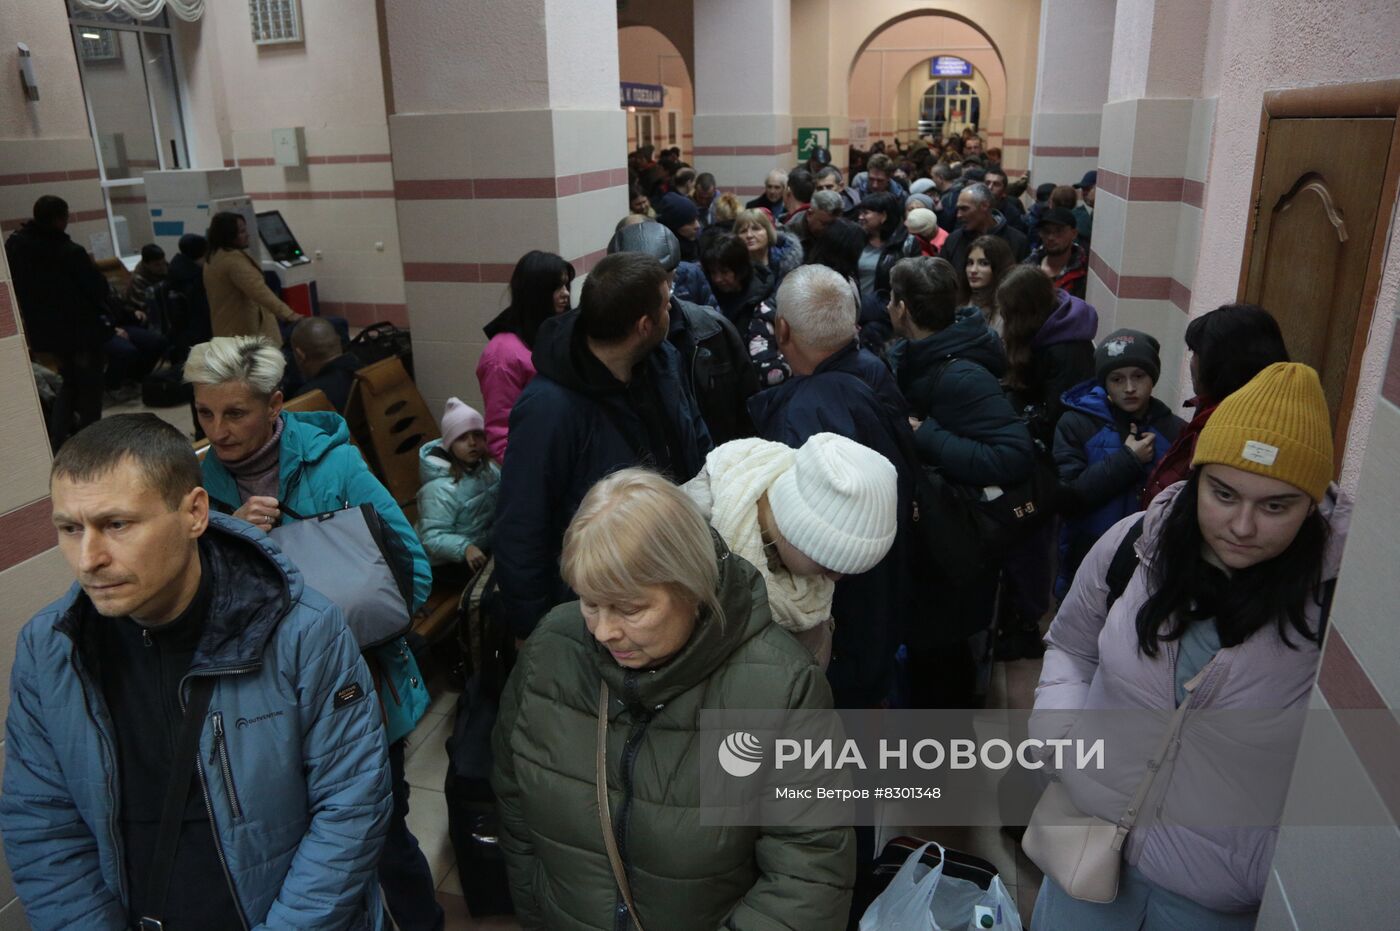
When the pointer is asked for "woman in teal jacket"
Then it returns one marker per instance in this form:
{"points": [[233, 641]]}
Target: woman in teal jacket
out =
{"points": [[261, 458]]}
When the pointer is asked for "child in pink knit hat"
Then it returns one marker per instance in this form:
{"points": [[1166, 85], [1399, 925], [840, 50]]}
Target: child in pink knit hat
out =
{"points": [[457, 498]]}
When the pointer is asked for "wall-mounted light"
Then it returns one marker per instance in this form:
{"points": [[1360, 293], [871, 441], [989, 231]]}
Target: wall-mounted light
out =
{"points": [[26, 72]]}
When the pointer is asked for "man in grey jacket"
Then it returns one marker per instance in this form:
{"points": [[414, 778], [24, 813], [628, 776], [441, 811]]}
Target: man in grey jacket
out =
{"points": [[283, 811]]}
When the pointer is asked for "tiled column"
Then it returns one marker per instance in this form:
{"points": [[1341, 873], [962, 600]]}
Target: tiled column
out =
{"points": [[32, 571], [507, 137], [1154, 148], [1359, 680], [1076, 44], [743, 128]]}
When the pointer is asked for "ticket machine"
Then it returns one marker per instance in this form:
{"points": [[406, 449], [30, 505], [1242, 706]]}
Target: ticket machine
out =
{"points": [[184, 201]]}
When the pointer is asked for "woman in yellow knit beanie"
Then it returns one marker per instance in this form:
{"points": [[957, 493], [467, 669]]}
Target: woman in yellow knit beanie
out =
{"points": [[1231, 591]]}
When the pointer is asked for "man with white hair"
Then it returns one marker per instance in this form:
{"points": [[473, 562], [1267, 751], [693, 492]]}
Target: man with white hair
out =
{"points": [[773, 196], [840, 388]]}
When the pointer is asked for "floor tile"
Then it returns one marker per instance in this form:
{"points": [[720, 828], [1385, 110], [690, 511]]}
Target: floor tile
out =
{"points": [[1025, 901], [454, 908], [1022, 676], [445, 703], [427, 819], [426, 765], [420, 734], [451, 883]]}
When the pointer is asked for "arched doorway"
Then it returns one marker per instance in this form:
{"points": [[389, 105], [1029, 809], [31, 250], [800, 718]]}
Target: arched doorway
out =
{"points": [[893, 85], [647, 57]]}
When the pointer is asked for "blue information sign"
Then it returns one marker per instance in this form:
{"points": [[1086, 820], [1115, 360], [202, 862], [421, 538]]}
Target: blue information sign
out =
{"points": [[646, 96], [949, 66]]}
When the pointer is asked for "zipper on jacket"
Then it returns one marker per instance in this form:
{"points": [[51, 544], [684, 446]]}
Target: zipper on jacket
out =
{"points": [[109, 748], [629, 758], [209, 807], [220, 753]]}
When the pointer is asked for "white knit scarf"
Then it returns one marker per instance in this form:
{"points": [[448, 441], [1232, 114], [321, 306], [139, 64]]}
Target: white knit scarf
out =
{"points": [[728, 488]]}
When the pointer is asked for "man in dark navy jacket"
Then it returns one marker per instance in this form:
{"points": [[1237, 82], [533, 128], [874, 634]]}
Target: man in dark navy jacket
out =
{"points": [[608, 394], [846, 390]]}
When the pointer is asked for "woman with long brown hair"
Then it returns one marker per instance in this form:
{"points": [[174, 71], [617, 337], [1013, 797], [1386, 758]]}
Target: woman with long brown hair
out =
{"points": [[1049, 337], [988, 260]]}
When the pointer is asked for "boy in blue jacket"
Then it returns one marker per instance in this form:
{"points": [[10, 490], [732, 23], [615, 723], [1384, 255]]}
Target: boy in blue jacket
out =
{"points": [[1112, 433]]}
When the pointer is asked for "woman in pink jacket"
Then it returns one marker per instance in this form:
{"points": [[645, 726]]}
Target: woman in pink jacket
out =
{"points": [[1230, 590], [539, 289]]}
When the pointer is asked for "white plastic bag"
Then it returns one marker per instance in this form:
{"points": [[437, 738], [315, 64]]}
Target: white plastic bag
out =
{"points": [[923, 899]]}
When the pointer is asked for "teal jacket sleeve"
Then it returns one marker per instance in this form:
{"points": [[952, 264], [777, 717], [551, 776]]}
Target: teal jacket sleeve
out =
{"points": [[361, 487]]}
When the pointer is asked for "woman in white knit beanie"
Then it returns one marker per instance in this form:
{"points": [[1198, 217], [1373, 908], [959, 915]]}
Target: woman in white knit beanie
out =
{"points": [[803, 517]]}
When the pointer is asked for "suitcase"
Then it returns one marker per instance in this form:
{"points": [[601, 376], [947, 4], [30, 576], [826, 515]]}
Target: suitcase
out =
{"points": [[166, 388], [472, 821]]}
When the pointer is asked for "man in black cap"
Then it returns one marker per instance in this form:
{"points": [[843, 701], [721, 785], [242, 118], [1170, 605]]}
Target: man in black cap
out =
{"points": [[1084, 213], [1063, 259]]}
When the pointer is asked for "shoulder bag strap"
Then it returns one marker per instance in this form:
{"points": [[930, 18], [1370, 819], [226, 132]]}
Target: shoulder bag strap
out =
{"points": [[1154, 765], [176, 791], [605, 812]]}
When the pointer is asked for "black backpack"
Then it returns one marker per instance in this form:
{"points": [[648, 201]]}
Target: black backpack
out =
{"points": [[961, 531]]}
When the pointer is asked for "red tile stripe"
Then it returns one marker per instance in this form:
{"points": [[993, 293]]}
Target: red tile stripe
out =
{"points": [[1065, 151], [49, 177], [481, 272], [1390, 388], [743, 149], [74, 216], [1141, 287], [510, 188], [320, 195], [359, 313], [26, 532], [9, 326], [1158, 190], [1015, 141], [1346, 686]]}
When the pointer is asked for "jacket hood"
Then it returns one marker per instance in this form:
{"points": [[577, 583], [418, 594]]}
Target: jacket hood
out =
{"points": [[433, 462], [787, 254], [968, 338], [1072, 320], [501, 323], [1335, 509], [742, 596], [310, 435], [253, 587], [1089, 397], [556, 355]]}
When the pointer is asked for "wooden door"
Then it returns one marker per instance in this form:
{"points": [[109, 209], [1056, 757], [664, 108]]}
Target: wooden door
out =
{"points": [[1323, 192], [1316, 211]]}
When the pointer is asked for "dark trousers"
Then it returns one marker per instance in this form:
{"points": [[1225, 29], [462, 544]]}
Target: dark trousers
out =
{"points": [[403, 870], [79, 401], [1027, 577], [132, 359]]}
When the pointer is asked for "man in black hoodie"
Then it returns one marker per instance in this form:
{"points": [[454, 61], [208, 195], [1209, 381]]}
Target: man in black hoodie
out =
{"points": [[63, 301], [609, 393]]}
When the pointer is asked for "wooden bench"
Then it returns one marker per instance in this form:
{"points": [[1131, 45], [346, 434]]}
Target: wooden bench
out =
{"points": [[387, 410]]}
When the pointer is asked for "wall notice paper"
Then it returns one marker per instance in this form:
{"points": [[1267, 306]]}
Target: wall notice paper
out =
{"points": [[100, 245], [860, 133]]}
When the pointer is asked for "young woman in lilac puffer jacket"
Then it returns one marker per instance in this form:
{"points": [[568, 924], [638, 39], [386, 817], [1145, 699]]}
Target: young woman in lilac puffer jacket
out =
{"points": [[1234, 568]]}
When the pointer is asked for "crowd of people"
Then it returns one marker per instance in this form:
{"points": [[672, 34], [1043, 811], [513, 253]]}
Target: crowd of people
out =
{"points": [[727, 478]]}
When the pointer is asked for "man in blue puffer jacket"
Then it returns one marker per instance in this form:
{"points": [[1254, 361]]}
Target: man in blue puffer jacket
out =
{"points": [[289, 798]]}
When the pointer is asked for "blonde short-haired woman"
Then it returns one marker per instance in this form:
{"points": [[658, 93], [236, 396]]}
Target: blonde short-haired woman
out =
{"points": [[669, 624]]}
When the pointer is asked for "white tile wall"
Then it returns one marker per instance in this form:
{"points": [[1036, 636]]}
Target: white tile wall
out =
{"points": [[589, 140], [437, 230], [1150, 240], [25, 588], [1162, 137], [1110, 224], [1202, 129], [431, 145], [1188, 244], [1067, 129], [24, 455], [743, 129], [1116, 136]]}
